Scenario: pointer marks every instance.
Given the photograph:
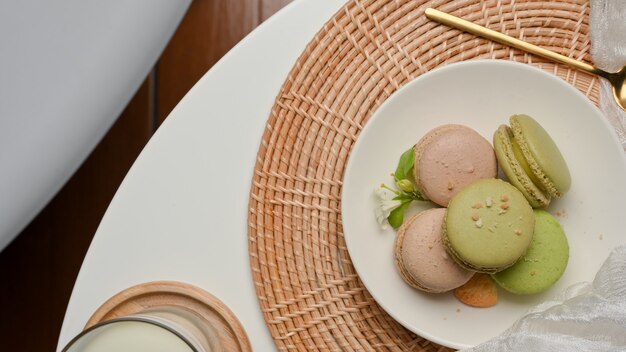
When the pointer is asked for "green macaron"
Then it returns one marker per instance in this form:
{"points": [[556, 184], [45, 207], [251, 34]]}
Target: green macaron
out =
{"points": [[544, 262], [507, 152], [488, 226], [530, 159]]}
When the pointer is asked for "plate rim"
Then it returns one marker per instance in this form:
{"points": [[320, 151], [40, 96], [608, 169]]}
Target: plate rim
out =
{"points": [[389, 101]]}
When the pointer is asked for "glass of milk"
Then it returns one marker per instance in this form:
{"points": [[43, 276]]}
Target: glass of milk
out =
{"points": [[161, 329]]}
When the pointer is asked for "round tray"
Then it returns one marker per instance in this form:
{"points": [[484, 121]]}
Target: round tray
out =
{"points": [[159, 293], [309, 292]]}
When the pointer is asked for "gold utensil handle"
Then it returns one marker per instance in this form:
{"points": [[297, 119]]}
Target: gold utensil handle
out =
{"points": [[470, 27]]}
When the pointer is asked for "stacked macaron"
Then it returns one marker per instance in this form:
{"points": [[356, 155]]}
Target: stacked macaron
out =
{"points": [[450, 157], [489, 225], [421, 257], [531, 160], [543, 263]]}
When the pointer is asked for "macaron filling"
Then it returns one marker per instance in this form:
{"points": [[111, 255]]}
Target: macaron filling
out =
{"points": [[521, 159], [516, 169]]}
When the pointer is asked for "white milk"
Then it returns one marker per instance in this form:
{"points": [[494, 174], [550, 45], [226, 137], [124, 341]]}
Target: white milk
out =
{"points": [[130, 336]]}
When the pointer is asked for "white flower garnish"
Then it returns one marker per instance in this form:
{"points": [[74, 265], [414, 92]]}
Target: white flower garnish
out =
{"points": [[385, 205]]}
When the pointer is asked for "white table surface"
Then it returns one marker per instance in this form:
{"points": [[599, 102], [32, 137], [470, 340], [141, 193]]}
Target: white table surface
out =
{"points": [[181, 212], [67, 70]]}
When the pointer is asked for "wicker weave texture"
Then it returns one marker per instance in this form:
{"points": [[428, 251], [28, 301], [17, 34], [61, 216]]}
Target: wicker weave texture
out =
{"points": [[308, 289]]}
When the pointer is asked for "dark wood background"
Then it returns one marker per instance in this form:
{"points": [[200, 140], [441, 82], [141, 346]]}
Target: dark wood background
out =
{"points": [[38, 269]]}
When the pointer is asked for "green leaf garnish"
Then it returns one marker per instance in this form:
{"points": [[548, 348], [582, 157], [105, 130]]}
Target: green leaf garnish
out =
{"points": [[405, 165], [396, 217]]}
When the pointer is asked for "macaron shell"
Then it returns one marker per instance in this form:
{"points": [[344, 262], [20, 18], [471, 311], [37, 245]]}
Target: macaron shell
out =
{"points": [[544, 262], [419, 151], [402, 270], [542, 154], [514, 171], [449, 158], [488, 226], [421, 258]]}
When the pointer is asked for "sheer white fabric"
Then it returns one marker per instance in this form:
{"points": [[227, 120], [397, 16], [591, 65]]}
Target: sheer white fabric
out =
{"points": [[585, 317], [607, 22]]}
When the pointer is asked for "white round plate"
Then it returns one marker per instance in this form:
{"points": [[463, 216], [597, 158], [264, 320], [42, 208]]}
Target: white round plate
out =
{"points": [[483, 94]]}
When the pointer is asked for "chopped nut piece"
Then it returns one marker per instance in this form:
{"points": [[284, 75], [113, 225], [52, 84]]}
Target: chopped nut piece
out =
{"points": [[504, 198], [479, 223], [450, 185], [477, 206], [501, 211], [504, 205], [475, 216], [470, 169], [488, 202], [518, 232]]}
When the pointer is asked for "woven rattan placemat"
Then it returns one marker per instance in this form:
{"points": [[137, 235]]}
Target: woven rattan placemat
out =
{"points": [[308, 290]]}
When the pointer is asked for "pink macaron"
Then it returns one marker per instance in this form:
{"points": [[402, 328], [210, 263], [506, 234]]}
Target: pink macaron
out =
{"points": [[449, 158], [422, 259]]}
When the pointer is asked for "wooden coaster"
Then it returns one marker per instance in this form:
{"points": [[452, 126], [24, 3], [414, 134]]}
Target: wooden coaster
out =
{"points": [[154, 294]]}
